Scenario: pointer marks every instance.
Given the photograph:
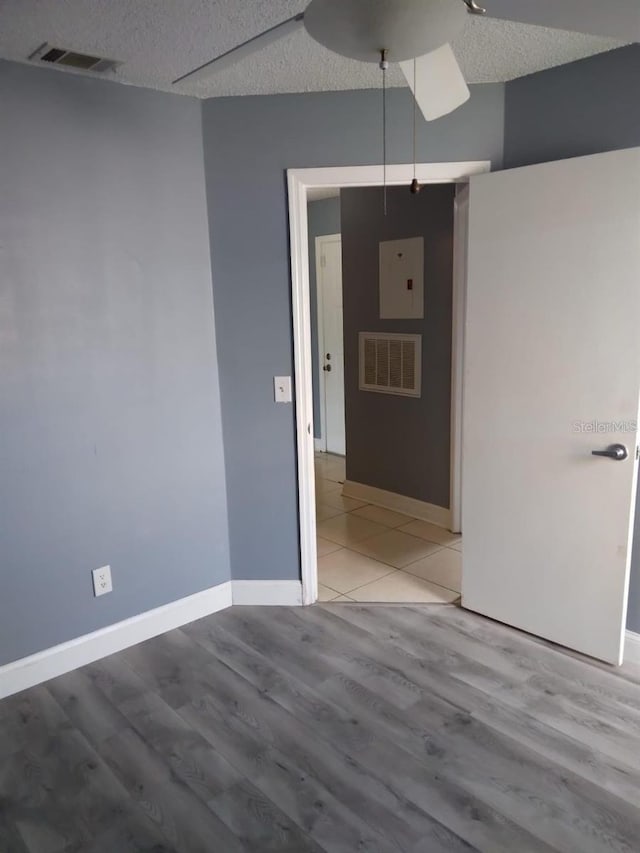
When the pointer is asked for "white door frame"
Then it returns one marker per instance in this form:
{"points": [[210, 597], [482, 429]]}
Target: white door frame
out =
{"points": [[299, 181], [459, 304], [321, 443]]}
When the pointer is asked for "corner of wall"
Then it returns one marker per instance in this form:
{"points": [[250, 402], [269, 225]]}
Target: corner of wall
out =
{"points": [[505, 107]]}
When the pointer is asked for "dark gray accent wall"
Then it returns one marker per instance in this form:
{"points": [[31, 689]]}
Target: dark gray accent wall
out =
{"points": [[582, 108], [249, 144], [323, 218], [400, 444], [110, 432]]}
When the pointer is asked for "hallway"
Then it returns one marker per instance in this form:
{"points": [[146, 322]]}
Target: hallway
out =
{"points": [[368, 554]]}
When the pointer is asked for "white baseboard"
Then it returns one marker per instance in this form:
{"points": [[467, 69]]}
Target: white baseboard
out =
{"points": [[399, 503], [318, 445], [39, 667], [57, 660], [632, 648], [268, 593]]}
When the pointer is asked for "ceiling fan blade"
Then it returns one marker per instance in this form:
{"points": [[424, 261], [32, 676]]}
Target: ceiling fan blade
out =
{"points": [[439, 86], [246, 48]]}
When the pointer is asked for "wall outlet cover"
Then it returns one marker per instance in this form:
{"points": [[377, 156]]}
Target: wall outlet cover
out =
{"points": [[102, 583]]}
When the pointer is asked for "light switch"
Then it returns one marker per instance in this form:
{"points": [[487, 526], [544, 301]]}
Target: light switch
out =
{"points": [[282, 389]]}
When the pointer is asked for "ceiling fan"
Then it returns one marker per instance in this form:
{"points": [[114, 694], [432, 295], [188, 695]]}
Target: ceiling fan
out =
{"points": [[414, 33]]}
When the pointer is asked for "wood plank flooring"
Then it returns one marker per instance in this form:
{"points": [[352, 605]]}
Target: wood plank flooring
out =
{"points": [[334, 728]]}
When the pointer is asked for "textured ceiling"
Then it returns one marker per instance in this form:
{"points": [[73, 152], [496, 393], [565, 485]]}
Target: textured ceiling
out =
{"points": [[158, 40]]}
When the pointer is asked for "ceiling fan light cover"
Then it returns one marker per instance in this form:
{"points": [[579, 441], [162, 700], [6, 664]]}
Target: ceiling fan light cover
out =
{"points": [[360, 29], [440, 87]]}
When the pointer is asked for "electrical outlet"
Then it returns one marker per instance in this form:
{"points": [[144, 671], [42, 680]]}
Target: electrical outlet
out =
{"points": [[102, 583]]}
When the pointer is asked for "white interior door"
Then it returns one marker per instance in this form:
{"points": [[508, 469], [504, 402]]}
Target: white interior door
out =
{"points": [[552, 373], [329, 278]]}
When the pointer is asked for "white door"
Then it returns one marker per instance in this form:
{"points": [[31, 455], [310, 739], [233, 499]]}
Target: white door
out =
{"points": [[331, 341], [552, 373]]}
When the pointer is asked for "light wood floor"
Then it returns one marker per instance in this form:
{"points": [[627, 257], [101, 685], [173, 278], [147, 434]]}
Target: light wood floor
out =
{"points": [[335, 728]]}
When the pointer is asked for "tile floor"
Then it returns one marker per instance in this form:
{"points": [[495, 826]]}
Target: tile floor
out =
{"points": [[366, 553]]}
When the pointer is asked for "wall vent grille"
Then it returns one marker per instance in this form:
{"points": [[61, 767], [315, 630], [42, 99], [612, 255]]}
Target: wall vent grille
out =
{"points": [[72, 59], [390, 363]]}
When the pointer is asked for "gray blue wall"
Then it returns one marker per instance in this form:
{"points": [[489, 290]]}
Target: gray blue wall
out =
{"points": [[323, 218], [249, 144], [577, 109], [110, 433], [400, 444], [110, 420], [582, 108]]}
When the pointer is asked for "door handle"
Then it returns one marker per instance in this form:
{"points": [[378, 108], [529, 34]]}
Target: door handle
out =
{"points": [[615, 451], [327, 367]]}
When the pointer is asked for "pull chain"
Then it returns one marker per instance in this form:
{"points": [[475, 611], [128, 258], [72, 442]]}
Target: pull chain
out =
{"points": [[414, 119], [415, 185], [384, 65]]}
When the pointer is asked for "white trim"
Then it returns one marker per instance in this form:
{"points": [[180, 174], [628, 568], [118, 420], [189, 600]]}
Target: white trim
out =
{"points": [[460, 239], [267, 593], [318, 445], [632, 648], [398, 503], [57, 660], [298, 182], [322, 386], [299, 250], [368, 176]]}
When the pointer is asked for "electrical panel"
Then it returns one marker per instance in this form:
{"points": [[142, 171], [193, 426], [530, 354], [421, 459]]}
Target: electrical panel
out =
{"points": [[402, 279]]}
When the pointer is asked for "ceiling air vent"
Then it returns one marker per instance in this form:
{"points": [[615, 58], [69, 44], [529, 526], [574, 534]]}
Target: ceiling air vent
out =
{"points": [[390, 363], [72, 59]]}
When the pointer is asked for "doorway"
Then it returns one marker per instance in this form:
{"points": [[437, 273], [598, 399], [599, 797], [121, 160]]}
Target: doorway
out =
{"points": [[539, 290], [300, 182]]}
